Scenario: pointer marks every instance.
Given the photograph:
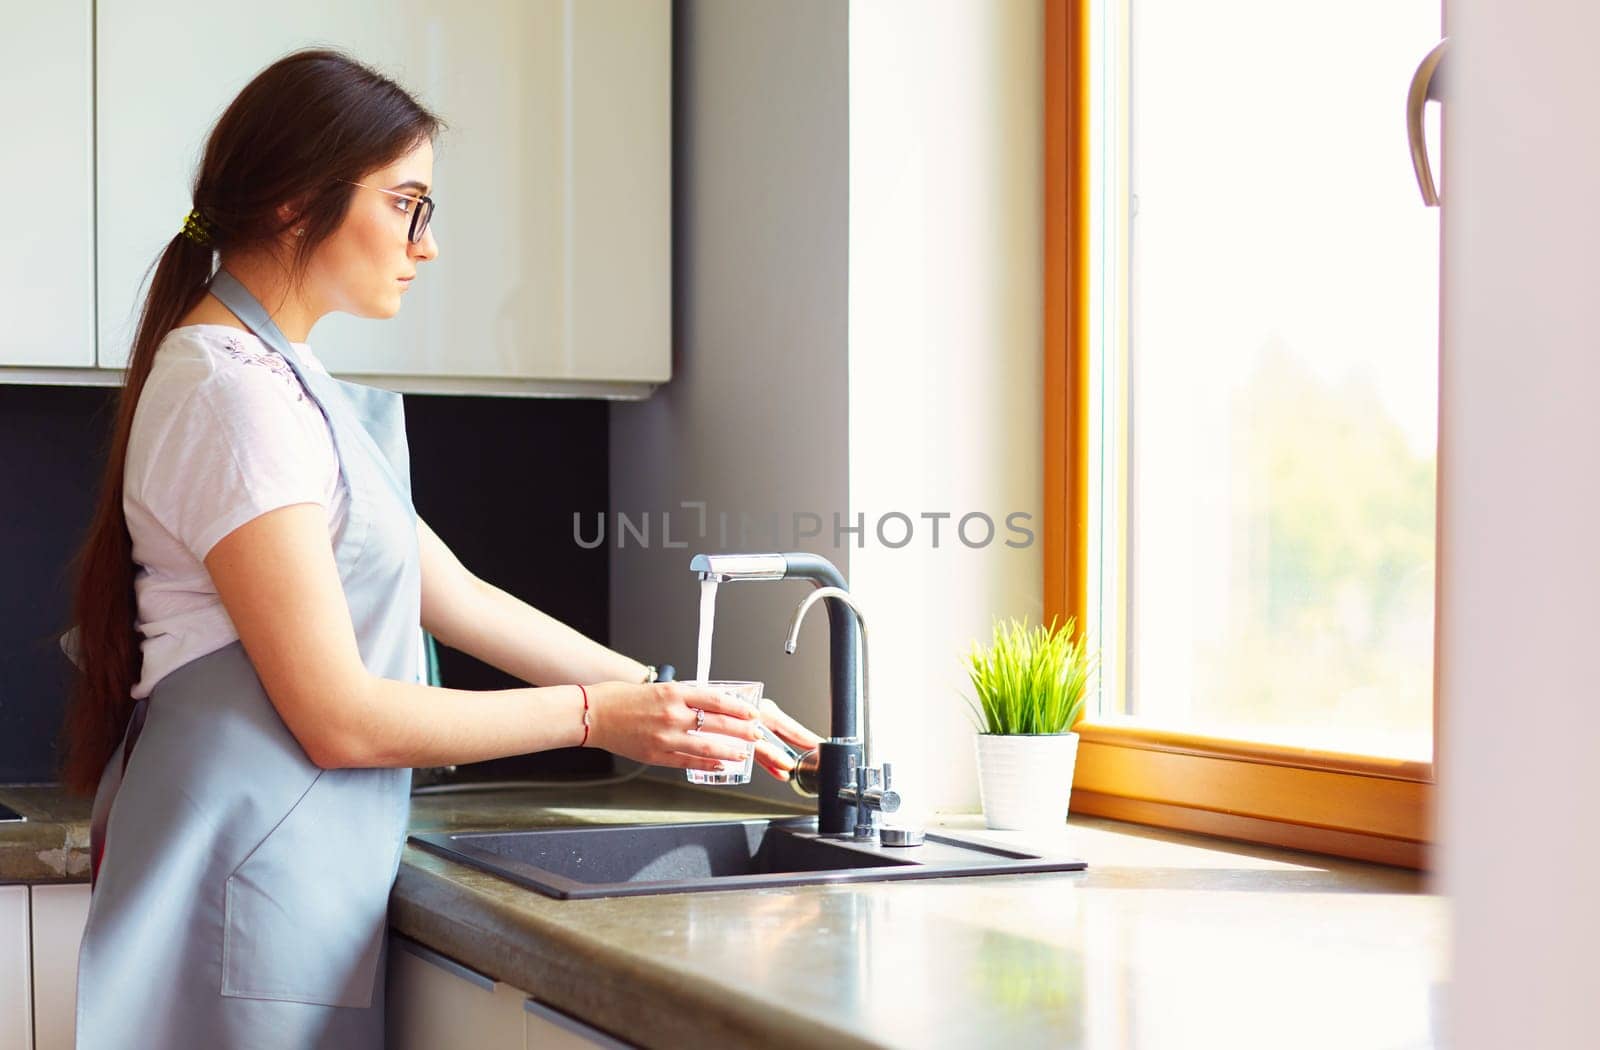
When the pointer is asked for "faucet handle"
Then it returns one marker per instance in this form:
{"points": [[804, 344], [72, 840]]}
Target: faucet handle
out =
{"points": [[866, 817], [807, 776], [886, 768]]}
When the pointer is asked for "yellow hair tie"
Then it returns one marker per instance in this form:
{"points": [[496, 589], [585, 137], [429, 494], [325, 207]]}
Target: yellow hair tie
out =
{"points": [[197, 228]]}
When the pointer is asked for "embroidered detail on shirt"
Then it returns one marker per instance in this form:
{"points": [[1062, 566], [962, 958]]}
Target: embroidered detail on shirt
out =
{"points": [[269, 358]]}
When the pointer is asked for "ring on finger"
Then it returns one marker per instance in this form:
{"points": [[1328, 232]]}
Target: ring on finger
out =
{"points": [[699, 718]]}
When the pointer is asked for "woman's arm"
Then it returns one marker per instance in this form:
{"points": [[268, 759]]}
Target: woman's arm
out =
{"points": [[279, 583], [466, 613], [481, 620]]}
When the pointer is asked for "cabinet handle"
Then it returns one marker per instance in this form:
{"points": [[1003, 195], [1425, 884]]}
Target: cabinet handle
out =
{"points": [[1426, 84], [443, 962], [571, 1024]]}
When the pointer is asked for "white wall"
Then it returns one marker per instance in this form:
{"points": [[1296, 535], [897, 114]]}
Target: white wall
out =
{"points": [[1519, 564], [755, 416], [946, 355]]}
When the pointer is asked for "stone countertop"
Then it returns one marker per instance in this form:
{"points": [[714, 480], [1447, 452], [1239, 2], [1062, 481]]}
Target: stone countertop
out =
{"points": [[52, 845], [1167, 939]]}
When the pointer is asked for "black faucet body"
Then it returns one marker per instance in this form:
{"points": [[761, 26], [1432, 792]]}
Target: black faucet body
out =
{"points": [[839, 756], [838, 762]]}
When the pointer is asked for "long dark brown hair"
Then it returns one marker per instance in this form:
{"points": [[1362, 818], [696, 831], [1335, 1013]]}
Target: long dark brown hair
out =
{"points": [[310, 119]]}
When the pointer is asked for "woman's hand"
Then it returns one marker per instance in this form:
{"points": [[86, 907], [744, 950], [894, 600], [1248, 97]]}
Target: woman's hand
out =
{"points": [[772, 758], [650, 723]]}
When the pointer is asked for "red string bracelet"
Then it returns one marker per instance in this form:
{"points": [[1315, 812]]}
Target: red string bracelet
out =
{"points": [[585, 693]]}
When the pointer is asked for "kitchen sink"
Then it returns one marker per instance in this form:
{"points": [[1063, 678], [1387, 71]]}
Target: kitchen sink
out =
{"points": [[625, 860]]}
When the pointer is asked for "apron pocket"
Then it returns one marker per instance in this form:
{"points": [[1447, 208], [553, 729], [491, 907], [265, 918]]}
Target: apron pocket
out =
{"points": [[305, 913]]}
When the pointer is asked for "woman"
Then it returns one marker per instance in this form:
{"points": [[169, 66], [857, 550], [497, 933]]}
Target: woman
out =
{"points": [[255, 533]]}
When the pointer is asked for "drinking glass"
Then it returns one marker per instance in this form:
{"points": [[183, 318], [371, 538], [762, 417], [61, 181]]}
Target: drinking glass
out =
{"points": [[732, 772]]}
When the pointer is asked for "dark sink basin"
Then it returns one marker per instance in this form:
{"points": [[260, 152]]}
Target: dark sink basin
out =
{"points": [[620, 860]]}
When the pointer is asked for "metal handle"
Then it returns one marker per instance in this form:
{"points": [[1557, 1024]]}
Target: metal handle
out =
{"points": [[807, 776], [887, 799], [1425, 85], [871, 789], [866, 819]]}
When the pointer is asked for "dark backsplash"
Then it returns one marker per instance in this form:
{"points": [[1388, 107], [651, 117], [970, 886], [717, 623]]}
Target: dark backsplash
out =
{"points": [[497, 478]]}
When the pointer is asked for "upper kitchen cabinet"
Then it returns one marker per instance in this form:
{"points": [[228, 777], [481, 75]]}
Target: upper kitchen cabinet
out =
{"points": [[552, 181], [47, 127]]}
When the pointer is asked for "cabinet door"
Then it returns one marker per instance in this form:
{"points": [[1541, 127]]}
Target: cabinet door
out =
{"points": [[59, 914], [16, 977], [550, 1029], [435, 1003], [552, 181], [47, 127]]}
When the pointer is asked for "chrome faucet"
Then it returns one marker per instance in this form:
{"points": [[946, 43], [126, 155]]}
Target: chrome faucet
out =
{"points": [[837, 769]]}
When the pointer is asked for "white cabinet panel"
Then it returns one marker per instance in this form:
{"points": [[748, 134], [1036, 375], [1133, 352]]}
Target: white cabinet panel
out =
{"points": [[59, 914], [47, 131], [619, 182], [434, 1003], [16, 976], [552, 181]]}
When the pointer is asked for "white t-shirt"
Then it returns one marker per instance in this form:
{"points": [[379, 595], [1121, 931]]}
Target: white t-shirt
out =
{"points": [[222, 434]]}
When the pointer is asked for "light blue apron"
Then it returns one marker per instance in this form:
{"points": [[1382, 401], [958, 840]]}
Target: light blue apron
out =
{"points": [[242, 896]]}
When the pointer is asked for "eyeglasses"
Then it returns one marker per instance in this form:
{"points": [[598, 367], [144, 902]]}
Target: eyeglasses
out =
{"points": [[420, 214]]}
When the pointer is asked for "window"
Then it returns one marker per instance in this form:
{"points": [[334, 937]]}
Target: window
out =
{"points": [[1241, 414]]}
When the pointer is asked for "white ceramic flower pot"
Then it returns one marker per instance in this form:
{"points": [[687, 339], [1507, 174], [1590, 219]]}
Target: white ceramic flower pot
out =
{"points": [[1025, 781]]}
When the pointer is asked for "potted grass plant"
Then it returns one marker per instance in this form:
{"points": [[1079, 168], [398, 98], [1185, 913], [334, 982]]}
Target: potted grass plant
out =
{"points": [[1031, 684]]}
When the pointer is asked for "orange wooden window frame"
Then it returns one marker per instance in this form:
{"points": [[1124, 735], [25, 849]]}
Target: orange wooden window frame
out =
{"points": [[1352, 806]]}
